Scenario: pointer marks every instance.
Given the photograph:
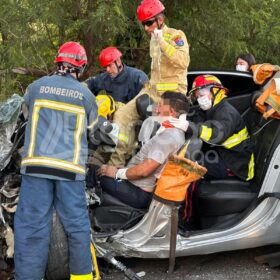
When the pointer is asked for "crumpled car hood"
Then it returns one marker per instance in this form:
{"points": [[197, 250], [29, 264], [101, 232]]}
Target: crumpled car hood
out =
{"points": [[9, 112]]}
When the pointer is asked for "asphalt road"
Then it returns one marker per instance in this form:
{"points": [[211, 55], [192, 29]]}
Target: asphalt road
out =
{"points": [[235, 265]]}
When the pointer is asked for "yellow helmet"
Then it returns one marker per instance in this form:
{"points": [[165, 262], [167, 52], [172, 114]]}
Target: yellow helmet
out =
{"points": [[106, 105]]}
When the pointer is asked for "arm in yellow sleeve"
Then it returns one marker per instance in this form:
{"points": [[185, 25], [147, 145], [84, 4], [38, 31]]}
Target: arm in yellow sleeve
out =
{"points": [[176, 49]]}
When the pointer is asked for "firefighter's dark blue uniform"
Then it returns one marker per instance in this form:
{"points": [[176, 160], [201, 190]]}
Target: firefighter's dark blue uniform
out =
{"points": [[61, 110], [124, 87]]}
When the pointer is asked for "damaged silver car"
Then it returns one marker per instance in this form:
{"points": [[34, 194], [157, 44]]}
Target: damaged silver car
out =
{"points": [[227, 214]]}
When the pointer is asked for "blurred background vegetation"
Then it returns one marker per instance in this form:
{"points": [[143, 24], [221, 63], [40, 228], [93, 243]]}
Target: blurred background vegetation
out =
{"points": [[31, 32]]}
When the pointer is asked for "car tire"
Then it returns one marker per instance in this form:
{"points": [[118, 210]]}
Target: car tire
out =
{"points": [[58, 260]]}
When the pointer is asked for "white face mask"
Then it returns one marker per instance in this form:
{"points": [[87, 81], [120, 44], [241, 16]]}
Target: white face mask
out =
{"points": [[240, 67], [204, 102]]}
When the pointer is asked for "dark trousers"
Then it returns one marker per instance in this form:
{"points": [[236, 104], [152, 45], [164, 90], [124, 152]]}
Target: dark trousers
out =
{"points": [[126, 192], [33, 223], [216, 167]]}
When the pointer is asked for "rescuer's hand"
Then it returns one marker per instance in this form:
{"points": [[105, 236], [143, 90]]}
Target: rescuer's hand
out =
{"points": [[107, 170], [158, 35]]}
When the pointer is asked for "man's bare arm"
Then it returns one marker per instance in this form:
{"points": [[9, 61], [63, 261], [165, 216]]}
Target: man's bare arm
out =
{"points": [[139, 171]]}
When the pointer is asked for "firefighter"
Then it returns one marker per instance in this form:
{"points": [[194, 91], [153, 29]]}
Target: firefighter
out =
{"points": [[106, 135], [169, 51], [53, 169], [122, 82], [106, 131], [224, 130]]}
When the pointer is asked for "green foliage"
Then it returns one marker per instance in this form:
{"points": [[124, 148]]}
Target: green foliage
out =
{"points": [[32, 30]]}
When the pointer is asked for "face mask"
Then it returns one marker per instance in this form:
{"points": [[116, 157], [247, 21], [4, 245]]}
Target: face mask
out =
{"points": [[240, 67], [204, 102]]}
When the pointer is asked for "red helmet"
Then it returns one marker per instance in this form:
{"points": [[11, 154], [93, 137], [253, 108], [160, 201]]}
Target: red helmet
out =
{"points": [[72, 53], [109, 55], [203, 81], [148, 9]]}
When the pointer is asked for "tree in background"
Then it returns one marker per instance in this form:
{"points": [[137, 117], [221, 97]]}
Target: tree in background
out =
{"points": [[219, 31], [32, 30]]}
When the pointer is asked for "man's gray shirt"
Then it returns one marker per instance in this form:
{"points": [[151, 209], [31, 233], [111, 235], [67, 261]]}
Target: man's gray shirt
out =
{"points": [[158, 148]]}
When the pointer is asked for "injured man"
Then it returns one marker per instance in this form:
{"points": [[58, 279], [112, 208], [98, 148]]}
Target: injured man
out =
{"points": [[134, 184]]}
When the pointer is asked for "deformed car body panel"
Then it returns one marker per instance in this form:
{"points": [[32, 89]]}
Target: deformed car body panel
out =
{"points": [[9, 112], [150, 238]]}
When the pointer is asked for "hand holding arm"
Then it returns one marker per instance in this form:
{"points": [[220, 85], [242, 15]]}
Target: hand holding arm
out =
{"points": [[107, 170]]}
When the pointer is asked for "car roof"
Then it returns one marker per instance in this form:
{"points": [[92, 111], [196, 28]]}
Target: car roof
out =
{"points": [[220, 72], [237, 82]]}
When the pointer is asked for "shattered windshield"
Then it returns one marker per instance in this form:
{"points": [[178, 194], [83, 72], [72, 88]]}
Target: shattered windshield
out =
{"points": [[9, 112]]}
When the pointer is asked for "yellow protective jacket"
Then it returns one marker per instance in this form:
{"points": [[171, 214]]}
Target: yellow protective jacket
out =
{"points": [[170, 61]]}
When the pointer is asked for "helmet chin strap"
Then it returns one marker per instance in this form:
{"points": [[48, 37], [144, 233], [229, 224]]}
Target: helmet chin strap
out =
{"points": [[159, 26], [80, 71], [77, 75], [119, 67], [214, 95]]}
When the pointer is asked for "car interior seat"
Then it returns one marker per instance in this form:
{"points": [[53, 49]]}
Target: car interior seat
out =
{"points": [[220, 203], [113, 215]]}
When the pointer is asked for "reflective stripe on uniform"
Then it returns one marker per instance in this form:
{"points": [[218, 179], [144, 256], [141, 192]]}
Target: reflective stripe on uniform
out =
{"points": [[60, 106], [53, 162], [169, 50], [81, 277], [236, 139], [167, 36], [122, 137], [34, 123], [166, 86], [206, 133], [251, 168], [78, 134]]}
